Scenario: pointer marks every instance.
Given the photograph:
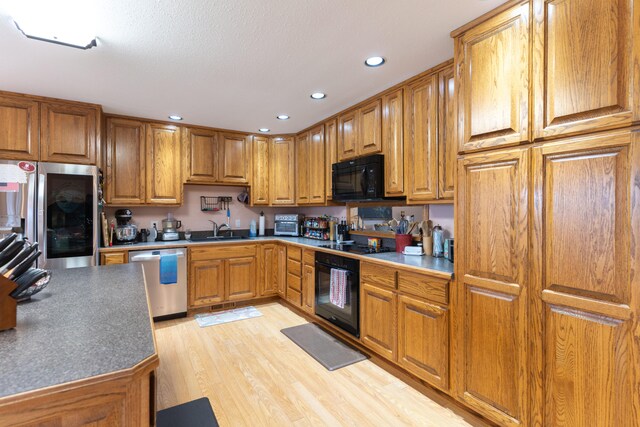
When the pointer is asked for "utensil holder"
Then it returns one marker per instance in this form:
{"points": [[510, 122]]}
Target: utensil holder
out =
{"points": [[8, 305], [402, 241], [427, 244]]}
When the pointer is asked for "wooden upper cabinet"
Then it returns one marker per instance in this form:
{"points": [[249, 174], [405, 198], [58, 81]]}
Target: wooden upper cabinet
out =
{"points": [[447, 144], [421, 135], [200, 152], [492, 82], [331, 154], [164, 179], [282, 171], [260, 180], [69, 133], [316, 166], [234, 158], [492, 229], [126, 165], [585, 291], [584, 65], [370, 128], [302, 168], [348, 135], [19, 128], [393, 143]]}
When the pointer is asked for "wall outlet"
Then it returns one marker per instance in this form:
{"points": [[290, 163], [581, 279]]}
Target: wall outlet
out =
{"points": [[154, 223], [238, 223]]}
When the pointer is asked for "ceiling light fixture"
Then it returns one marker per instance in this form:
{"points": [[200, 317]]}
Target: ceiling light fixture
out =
{"points": [[318, 95], [264, 130], [282, 117], [175, 117], [374, 61]]}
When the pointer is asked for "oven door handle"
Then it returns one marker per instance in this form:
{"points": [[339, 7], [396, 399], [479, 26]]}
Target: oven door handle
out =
{"points": [[333, 267]]}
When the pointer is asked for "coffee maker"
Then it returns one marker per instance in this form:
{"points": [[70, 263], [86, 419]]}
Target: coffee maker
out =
{"points": [[125, 232]]}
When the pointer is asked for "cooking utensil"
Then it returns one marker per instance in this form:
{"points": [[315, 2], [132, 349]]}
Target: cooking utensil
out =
{"points": [[7, 241], [24, 266]]}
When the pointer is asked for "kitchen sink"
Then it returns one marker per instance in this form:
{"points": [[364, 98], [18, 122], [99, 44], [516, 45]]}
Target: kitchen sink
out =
{"points": [[215, 238]]}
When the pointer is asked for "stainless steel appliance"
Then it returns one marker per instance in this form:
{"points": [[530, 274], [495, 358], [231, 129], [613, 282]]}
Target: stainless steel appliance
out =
{"points": [[167, 301], [126, 233], [170, 228], [356, 249], [54, 204], [359, 179], [347, 317], [288, 224]]}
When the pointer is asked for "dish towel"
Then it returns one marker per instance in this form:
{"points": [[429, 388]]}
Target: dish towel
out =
{"points": [[338, 287], [168, 269]]}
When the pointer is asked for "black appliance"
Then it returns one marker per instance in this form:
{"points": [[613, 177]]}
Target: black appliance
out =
{"points": [[359, 179], [356, 249], [346, 318]]}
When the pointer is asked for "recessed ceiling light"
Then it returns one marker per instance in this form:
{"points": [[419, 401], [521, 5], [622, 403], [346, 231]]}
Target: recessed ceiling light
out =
{"points": [[264, 130], [175, 117], [282, 117], [318, 95], [374, 61]]}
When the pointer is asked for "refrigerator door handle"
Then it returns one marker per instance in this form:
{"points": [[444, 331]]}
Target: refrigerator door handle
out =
{"points": [[30, 214], [40, 215]]}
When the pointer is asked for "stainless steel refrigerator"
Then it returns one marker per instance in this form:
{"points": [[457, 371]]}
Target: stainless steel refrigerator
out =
{"points": [[55, 205]]}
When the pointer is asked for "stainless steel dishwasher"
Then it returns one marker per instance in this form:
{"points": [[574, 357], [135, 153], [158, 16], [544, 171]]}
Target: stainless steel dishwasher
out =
{"points": [[167, 301]]}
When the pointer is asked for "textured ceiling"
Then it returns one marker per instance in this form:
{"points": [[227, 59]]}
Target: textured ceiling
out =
{"points": [[235, 64]]}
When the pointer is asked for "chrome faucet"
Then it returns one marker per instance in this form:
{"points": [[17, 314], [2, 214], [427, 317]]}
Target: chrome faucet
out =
{"points": [[217, 228]]}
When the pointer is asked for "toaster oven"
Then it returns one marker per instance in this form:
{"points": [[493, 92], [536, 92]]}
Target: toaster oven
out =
{"points": [[287, 224]]}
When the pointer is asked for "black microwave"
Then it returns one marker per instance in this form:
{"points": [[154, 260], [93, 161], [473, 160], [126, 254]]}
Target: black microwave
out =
{"points": [[359, 179]]}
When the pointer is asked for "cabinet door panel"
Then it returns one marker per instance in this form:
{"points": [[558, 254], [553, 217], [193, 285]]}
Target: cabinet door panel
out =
{"points": [[308, 288], [582, 82], [348, 135], [282, 171], [302, 168], [234, 157], [206, 282], [241, 278], [111, 258], [316, 158], [331, 146], [491, 302], [164, 178], [370, 128], [282, 270], [393, 142], [201, 155], [447, 144], [19, 128], [493, 81], [586, 297], [268, 269], [126, 165], [260, 181], [423, 340], [68, 133], [378, 320], [421, 134]]}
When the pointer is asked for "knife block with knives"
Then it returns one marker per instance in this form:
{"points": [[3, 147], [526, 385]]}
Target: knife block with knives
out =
{"points": [[8, 305]]}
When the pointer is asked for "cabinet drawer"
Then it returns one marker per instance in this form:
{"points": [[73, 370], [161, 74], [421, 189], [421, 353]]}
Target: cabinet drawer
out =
{"points": [[424, 286], [294, 267], [294, 297], [110, 258], [223, 252], [378, 275], [309, 257], [294, 253], [294, 282]]}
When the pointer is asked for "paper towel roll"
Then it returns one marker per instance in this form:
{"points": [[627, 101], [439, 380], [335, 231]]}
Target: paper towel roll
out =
{"points": [[261, 227]]}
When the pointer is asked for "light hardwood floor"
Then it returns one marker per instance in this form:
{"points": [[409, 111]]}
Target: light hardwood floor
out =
{"points": [[255, 376]]}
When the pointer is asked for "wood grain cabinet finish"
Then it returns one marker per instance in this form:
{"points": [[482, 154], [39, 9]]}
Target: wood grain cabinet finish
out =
{"points": [[269, 270], [282, 171], [308, 281], [348, 135], [316, 165], [492, 80], [200, 153], [423, 340], [378, 316], [584, 53], [421, 136], [19, 128], [491, 357], [260, 180], [69, 133], [294, 276], [241, 278], [302, 169], [360, 131], [282, 270], [447, 143], [234, 157], [206, 282], [393, 142], [112, 258], [163, 174], [126, 162], [586, 287], [331, 154]]}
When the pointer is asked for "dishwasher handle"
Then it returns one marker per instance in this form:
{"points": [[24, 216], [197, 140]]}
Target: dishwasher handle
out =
{"points": [[151, 257]]}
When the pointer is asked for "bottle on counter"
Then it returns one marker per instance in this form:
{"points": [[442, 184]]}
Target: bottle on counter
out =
{"points": [[438, 242], [252, 228]]}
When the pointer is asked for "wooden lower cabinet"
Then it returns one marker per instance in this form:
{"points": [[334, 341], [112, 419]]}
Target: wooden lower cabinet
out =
{"points": [[378, 307], [221, 273], [294, 276], [269, 271], [423, 340], [282, 270], [308, 281], [111, 258]]}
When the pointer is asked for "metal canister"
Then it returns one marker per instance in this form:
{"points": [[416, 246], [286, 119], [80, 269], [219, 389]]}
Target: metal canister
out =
{"points": [[438, 242]]}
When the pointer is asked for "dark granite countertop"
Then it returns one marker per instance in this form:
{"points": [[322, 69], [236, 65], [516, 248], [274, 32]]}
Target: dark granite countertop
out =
{"points": [[87, 322]]}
